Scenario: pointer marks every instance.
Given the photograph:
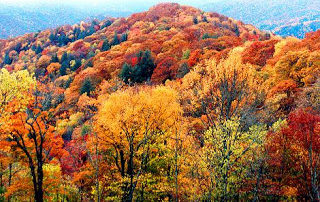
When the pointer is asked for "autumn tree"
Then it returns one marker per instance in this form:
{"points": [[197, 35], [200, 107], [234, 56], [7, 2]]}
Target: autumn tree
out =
{"points": [[26, 128], [133, 126], [294, 152], [220, 91], [227, 147], [166, 69]]}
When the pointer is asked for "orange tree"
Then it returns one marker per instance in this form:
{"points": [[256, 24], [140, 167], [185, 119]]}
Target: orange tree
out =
{"points": [[26, 128]]}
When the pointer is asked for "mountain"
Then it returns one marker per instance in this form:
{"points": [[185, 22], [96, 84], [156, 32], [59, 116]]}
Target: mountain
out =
{"points": [[285, 18], [18, 20], [169, 104]]}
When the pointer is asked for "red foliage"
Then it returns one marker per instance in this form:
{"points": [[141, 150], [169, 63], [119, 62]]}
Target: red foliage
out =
{"points": [[194, 58], [285, 86], [134, 61], [290, 150], [78, 45], [259, 52], [166, 69], [163, 10], [312, 40], [77, 156]]}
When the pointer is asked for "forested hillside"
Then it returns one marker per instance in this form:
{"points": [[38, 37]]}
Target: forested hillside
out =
{"points": [[172, 104]]}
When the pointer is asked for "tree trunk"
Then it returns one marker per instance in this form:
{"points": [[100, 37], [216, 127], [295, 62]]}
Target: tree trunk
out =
{"points": [[314, 187], [39, 194]]}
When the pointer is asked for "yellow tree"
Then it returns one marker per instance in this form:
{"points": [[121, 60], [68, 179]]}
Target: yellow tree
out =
{"points": [[221, 90], [134, 126], [227, 149], [15, 90], [26, 129]]}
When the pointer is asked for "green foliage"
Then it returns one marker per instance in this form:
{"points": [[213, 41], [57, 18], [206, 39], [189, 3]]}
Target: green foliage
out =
{"points": [[115, 40], [141, 72], [126, 73], [195, 20], [38, 49], [76, 65], [186, 54], [124, 37], [90, 54], [2, 191], [105, 45], [63, 68], [87, 87], [228, 146], [86, 129], [209, 36], [64, 57], [67, 84], [106, 24], [7, 60], [54, 58]]}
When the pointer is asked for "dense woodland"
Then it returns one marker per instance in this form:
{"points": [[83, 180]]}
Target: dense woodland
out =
{"points": [[172, 104]]}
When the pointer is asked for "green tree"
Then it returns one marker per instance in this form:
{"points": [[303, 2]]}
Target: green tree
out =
{"points": [[105, 45], [124, 37], [64, 57], [115, 39], [76, 65], [7, 59], [54, 58], [38, 49], [227, 148], [126, 73], [63, 68], [141, 72], [87, 87]]}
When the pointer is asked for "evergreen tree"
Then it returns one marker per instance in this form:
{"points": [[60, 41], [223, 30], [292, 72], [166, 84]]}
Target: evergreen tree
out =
{"points": [[38, 49], [144, 68], [67, 84], [124, 37], [89, 64], [63, 68], [115, 39], [18, 47], [64, 57], [76, 65], [90, 54], [106, 24], [63, 39], [195, 20], [76, 33], [126, 73], [7, 60], [53, 37], [141, 72], [54, 58], [105, 45], [86, 87], [33, 47]]}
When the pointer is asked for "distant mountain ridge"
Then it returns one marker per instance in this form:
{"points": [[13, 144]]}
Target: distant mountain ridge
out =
{"points": [[284, 18], [15, 21]]}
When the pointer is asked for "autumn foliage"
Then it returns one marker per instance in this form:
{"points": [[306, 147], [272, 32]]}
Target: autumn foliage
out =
{"points": [[171, 104]]}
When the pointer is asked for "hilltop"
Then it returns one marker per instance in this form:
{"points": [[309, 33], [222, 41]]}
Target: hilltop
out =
{"points": [[170, 103]]}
